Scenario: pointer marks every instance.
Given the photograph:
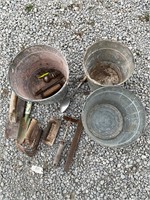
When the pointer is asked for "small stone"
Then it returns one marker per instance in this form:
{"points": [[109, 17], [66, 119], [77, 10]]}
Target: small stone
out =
{"points": [[2, 184], [37, 169], [122, 176], [148, 141], [143, 157], [119, 165], [20, 163]]}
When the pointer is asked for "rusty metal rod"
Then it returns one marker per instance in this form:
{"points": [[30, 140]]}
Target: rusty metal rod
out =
{"points": [[74, 145]]}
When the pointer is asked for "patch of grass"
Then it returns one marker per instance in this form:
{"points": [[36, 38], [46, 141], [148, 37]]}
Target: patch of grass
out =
{"points": [[29, 7], [74, 6], [92, 22], [138, 53], [66, 24], [23, 46], [144, 17]]}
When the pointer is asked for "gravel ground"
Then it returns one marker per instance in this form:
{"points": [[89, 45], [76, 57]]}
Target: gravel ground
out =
{"points": [[97, 173]]}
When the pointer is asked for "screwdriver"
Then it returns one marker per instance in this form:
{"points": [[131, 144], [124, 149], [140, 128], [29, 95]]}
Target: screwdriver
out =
{"points": [[60, 147]]}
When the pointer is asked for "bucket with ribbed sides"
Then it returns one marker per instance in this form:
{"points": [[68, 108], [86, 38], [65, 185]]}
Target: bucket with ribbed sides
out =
{"points": [[25, 66], [113, 116], [108, 63]]}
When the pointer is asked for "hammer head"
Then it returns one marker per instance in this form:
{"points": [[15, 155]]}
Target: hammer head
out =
{"points": [[68, 118]]}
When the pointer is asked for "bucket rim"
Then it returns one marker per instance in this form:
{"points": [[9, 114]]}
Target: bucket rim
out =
{"points": [[109, 41]]}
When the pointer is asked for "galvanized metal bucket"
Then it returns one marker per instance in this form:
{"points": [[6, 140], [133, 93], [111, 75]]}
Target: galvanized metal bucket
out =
{"points": [[113, 116], [110, 59], [27, 62]]}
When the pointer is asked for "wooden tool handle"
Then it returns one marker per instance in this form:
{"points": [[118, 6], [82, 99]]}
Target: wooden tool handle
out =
{"points": [[53, 132], [51, 90], [12, 108], [58, 154], [32, 125], [50, 84]]}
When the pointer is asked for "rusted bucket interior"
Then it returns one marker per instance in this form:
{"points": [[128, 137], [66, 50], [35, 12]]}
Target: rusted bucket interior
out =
{"points": [[108, 63], [108, 67], [106, 73], [26, 67]]}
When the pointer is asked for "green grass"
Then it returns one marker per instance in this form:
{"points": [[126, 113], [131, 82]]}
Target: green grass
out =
{"points": [[144, 17], [29, 7]]}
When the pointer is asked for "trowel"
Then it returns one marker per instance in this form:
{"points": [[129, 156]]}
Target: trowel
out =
{"points": [[16, 112], [24, 124]]}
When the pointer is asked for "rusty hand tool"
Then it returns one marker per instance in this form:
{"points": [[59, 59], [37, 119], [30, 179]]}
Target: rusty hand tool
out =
{"points": [[29, 134], [30, 129], [29, 146], [50, 132], [74, 145], [64, 104], [50, 84], [12, 108], [62, 142], [24, 124], [60, 147], [16, 112], [52, 90]]}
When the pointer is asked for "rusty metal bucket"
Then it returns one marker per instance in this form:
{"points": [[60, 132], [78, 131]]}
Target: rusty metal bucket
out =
{"points": [[23, 68], [108, 63]]}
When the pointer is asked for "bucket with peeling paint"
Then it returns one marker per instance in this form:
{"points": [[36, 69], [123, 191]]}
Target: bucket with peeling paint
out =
{"points": [[23, 70], [108, 63]]}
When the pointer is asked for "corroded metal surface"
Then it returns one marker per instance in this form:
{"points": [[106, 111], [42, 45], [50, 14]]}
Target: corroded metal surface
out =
{"points": [[29, 147], [51, 131], [12, 128], [74, 145], [30, 62]]}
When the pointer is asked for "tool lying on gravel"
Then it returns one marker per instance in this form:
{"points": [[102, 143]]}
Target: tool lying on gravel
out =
{"points": [[62, 142], [29, 133], [66, 101], [30, 144], [51, 131], [12, 108], [60, 147], [24, 123], [74, 145], [71, 119], [16, 112]]}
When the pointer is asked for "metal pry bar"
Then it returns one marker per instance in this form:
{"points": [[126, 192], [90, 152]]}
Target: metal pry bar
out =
{"points": [[74, 145]]}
